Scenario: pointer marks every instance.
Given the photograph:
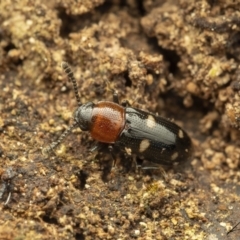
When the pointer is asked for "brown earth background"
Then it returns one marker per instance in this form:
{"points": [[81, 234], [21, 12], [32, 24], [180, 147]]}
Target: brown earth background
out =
{"points": [[186, 52]]}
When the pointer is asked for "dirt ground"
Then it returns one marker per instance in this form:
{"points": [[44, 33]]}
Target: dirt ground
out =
{"points": [[179, 59]]}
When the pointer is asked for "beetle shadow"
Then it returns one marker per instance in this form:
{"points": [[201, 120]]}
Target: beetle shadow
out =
{"points": [[114, 161]]}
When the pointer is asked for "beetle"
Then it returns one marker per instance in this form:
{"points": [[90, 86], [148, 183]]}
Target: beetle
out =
{"points": [[139, 133]]}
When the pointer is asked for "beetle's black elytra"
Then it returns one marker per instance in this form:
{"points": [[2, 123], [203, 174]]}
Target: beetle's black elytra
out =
{"points": [[132, 130], [154, 138]]}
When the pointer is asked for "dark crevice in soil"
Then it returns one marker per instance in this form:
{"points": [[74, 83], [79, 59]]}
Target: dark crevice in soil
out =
{"points": [[128, 80], [169, 55], [140, 7], [75, 23], [72, 23], [49, 220], [79, 236]]}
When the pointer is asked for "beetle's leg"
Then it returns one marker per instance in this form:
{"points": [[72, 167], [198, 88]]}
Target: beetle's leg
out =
{"points": [[100, 146], [131, 162], [114, 92], [159, 168], [139, 167], [96, 147], [115, 97], [110, 148], [125, 103], [139, 162]]}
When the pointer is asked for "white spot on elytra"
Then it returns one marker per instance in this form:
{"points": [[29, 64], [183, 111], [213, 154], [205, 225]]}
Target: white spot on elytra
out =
{"points": [[128, 151], [180, 134], [151, 122], [144, 145], [174, 156]]}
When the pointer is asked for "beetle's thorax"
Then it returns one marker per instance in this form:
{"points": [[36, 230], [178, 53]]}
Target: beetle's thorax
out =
{"points": [[108, 120], [104, 120]]}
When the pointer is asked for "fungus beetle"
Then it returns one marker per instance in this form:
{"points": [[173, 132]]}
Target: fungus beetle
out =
{"points": [[137, 132]]}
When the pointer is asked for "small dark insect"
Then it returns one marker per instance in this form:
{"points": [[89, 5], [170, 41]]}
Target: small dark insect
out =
{"points": [[234, 229], [138, 133], [5, 187]]}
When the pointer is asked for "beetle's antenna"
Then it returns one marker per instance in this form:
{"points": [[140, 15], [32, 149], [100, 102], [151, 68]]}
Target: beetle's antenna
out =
{"points": [[53, 145], [234, 228], [67, 69]]}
